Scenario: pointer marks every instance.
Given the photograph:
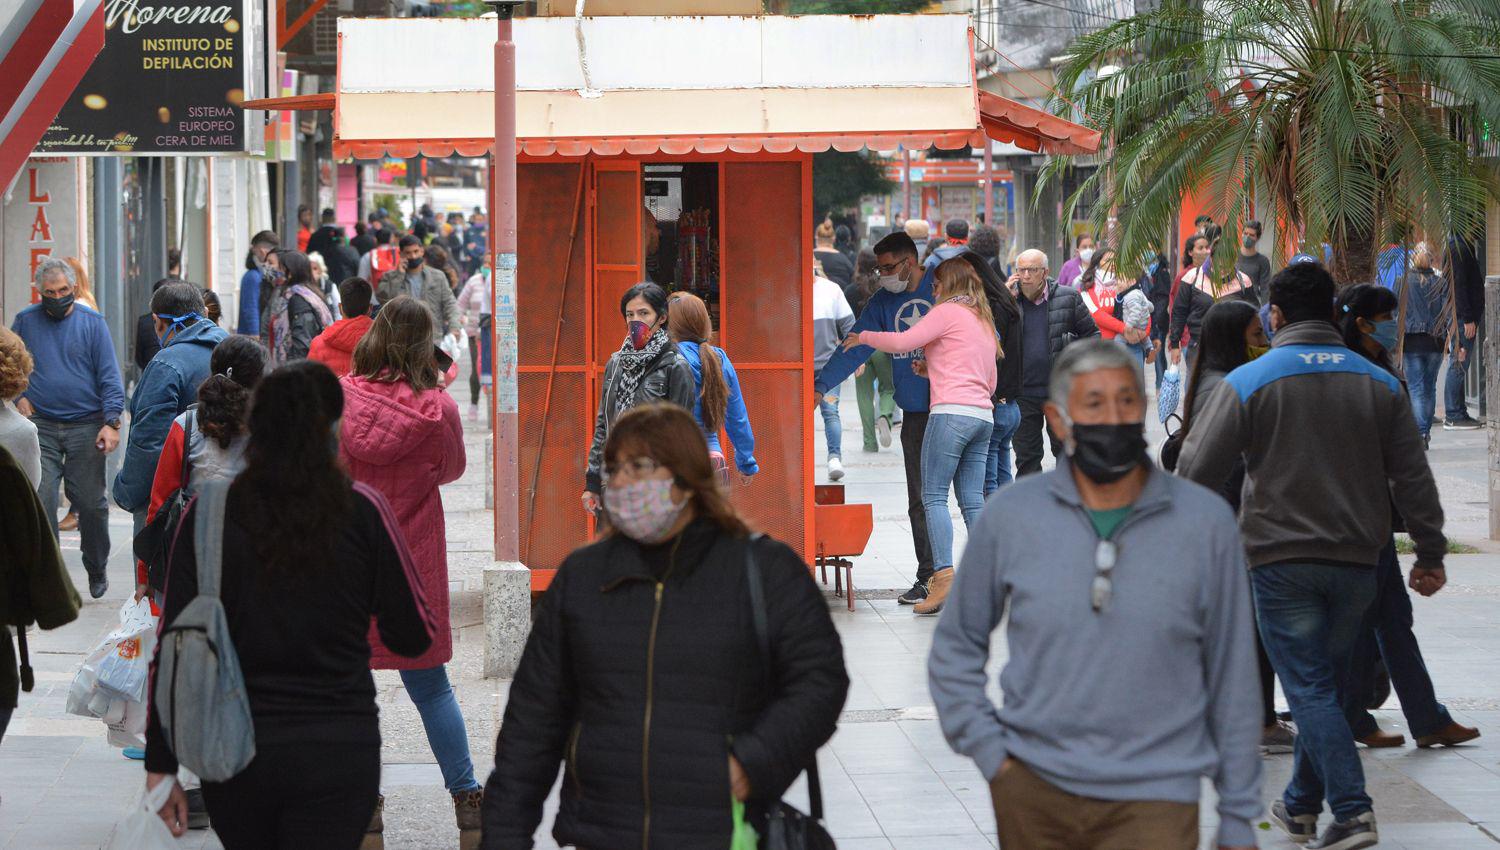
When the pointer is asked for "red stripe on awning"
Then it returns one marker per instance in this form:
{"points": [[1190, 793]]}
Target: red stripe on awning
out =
{"points": [[1006, 120], [645, 146], [47, 23], [49, 86]]}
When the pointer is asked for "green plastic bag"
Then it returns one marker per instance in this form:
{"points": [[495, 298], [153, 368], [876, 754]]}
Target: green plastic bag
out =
{"points": [[743, 837]]}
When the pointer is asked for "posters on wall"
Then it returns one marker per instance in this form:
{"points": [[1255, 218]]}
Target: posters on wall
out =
{"points": [[170, 80]]}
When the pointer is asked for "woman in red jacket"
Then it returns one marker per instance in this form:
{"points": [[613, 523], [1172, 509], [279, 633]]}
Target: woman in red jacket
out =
{"points": [[402, 435]]}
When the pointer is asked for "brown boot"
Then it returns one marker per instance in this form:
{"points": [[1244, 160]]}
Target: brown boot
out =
{"points": [[937, 591], [69, 522], [467, 808], [1381, 739], [374, 838], [1448, 736]]}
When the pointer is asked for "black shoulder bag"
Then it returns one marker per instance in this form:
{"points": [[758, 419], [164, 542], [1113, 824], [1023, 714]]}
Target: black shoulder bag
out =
{"points": [[154, 542], [786, 828]]}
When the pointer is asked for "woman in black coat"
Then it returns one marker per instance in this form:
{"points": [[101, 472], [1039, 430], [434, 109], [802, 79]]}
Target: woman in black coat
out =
{"points": [[643, 673]]}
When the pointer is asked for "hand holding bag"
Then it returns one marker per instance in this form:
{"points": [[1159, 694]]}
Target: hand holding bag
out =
{"points": [[786, 827]]}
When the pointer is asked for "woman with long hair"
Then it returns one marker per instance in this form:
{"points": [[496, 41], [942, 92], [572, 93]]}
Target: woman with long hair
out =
{"points": [[309, 560], [645, 675], [211, 435], [875, 379], [401, 435], [1366, 314], [83, 291], [1232, 336], [1189, 303], [719, 403], [438, 258], [295, 312], [648, 367], [1006, 311], [959, 340]]}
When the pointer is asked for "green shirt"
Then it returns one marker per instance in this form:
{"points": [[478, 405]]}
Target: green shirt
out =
{"points": [[1105, 522]]}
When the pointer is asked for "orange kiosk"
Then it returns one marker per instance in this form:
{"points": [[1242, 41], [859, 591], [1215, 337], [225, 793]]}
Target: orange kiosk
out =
{"points": [[678, 150]]}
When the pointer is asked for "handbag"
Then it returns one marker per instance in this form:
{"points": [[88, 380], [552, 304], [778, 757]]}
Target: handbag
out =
{"points": [[786, 827], [154, 543]]}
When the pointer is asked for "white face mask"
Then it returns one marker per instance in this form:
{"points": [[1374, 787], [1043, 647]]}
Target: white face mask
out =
{"points": [[892, 283], [1086, 255]]}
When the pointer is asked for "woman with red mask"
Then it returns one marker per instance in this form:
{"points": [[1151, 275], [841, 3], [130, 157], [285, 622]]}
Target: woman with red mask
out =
{"points": [[647, 368]]}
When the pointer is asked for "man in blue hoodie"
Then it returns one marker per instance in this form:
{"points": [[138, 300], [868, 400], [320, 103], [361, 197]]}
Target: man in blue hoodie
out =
{"points": [[168, 386], [904, 297]]}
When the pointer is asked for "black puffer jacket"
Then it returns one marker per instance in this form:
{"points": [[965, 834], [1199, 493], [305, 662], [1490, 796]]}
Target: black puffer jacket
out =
{"points": [[642, 675], [1068, 318], [667, 378]]}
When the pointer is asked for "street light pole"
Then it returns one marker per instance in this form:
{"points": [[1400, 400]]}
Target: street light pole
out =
{"points": [[503, 309]]}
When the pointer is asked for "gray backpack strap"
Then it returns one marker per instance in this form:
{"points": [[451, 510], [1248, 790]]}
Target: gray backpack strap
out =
{"points": [[208, 535]]}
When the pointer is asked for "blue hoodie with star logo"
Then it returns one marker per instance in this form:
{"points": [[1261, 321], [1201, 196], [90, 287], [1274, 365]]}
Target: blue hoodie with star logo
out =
{"points": [[891, 312]]}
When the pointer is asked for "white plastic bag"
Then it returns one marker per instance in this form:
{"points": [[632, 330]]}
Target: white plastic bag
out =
{"points": [[123, 671], [144, 829]]}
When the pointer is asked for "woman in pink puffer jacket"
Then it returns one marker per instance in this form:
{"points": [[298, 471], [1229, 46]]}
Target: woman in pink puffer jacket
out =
{"points": [[401, 434]]}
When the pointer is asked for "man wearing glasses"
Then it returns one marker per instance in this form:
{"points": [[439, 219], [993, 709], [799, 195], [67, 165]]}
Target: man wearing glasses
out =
{"points": [[1052, 316], [904, 297], [1131, 669]]}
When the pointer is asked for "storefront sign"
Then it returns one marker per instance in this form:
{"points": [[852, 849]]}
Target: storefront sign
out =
{"points": [[170, 80], [40, 220]]}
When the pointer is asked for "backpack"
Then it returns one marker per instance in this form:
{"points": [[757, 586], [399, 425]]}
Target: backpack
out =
{"points": [[199, 694], [154, 544]]}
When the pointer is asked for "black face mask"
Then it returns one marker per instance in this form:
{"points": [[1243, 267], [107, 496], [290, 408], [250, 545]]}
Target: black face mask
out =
{"points": [[57, 308], [1107, 453], [413, 263]]}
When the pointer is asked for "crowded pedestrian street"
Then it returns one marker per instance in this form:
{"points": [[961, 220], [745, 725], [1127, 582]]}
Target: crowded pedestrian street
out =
{"points": [[889, 780]]}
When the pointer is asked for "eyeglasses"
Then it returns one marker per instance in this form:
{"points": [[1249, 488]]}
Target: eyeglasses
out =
{"points": [[887, 268], [1105, 556], [1030, 270], [638, 468]]}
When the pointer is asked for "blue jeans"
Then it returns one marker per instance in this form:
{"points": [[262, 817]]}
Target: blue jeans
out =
{"points": [[1421, 381], [997, 467], [433, 696], [1455, 406], [832, 427], [1310, 616], [1387, 634], [955, 451]]}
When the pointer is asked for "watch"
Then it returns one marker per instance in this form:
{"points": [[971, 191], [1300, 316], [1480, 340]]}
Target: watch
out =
{"points": [[113, 423]]}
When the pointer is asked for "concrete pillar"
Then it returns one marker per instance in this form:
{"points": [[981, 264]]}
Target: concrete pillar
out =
{"points": [[1490, 353], [489, 471], [507, 617]]}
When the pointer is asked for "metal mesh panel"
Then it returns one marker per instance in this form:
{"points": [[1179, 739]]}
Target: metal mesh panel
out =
{"points": [[609, 325], [773, 501], [762, 251], [545, 198], [553, 524], [619, 219]]}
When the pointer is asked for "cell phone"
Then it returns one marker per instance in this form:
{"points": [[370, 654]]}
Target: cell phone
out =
{"points": [[99, 445], [441, 358]]}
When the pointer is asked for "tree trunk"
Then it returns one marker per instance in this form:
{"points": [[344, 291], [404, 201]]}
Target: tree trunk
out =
{"points": [[1354, 257]]}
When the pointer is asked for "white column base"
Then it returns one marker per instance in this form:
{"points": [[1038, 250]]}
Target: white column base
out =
{"points": [[507, 617]]}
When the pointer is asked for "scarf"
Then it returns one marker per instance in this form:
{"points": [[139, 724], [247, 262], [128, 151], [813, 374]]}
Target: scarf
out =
{"points": [[633, 366], [281, 317]]}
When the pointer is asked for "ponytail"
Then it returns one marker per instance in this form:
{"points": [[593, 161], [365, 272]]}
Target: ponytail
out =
{"points": [[715, 388]]}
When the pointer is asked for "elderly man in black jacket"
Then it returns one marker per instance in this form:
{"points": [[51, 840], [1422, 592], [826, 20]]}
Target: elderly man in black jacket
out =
{"points": [[1052, 317]]}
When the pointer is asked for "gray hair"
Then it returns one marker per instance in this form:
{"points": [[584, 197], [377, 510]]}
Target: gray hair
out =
{"points": [[53, 266], [1046, 263], [1086, 356]]}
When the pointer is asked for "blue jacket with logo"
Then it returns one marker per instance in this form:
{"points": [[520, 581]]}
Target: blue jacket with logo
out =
{"points": [[168, 386], [1329, 441], [888, 312]]}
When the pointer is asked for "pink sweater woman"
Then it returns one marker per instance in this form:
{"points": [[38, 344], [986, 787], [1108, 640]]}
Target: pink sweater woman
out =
{"points": [[401, 434], [960, 345]]}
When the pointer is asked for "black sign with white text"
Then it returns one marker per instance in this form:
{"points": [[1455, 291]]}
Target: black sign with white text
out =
{"points": [[170, 80]]}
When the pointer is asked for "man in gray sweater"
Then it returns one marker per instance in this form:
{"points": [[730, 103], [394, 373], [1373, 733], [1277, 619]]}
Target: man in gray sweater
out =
{"points": [[1329, 442], [1132, 670]]}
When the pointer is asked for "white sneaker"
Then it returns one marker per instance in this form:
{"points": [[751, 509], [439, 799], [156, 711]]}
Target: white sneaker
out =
{"points": [[473, 413], [835, 469]]}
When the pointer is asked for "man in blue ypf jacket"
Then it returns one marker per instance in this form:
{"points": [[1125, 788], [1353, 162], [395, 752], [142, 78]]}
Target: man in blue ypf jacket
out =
{"points": [[904, 297]]}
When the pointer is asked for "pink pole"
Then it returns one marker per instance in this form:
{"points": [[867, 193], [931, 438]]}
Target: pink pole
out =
{"points": [[503, 244]]}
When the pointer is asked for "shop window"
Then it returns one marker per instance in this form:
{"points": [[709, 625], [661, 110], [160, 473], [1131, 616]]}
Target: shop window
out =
{"points": [[684, 201]]}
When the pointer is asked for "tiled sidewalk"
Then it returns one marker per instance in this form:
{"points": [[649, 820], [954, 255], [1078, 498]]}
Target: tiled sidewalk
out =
{"points": [[889, 779]]}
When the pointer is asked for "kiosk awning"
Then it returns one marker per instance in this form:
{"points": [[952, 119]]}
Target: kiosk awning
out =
{"points": [[645, 85]]}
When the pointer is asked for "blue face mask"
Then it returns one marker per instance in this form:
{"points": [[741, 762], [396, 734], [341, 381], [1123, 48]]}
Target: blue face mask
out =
{"points": [[1385, 334], [176, 322]]}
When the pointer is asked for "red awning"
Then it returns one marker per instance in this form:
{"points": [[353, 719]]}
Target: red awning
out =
{"points": [[36, 87], [1006, 120]]}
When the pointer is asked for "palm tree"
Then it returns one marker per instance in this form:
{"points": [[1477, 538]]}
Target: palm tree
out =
{"points": [[1344, 121]]}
